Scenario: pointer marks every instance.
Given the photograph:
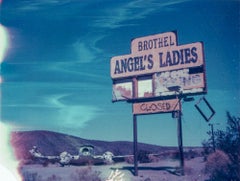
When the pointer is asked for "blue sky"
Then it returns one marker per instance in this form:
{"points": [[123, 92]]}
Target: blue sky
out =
{"points": [[56, 75]]}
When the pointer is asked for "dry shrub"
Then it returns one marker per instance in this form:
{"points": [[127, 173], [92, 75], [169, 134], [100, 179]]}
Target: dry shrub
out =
{"points": [[190, 154], [217, 166], [129, 159], [188, 170], [147, 179], [45, 163], [174, 155], [54, 178], [85, 174], [143, 156], [153, 158], [30, 176]]}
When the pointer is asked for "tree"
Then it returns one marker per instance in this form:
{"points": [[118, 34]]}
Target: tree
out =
{"points": [[217, 166], [229, 142]]}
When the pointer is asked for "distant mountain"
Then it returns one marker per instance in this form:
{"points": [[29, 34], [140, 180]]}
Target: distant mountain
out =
{"points": [[53, 143]]}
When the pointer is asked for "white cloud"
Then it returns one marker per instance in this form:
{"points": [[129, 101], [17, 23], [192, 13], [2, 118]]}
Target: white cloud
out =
{"points": [[83, 52], [76, 116], [133, 10], [37, 5], [85, 47], [69, 115]]}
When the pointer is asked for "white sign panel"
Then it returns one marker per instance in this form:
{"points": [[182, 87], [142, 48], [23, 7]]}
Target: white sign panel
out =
{"points": [[145, 88], [165, 59], [153, 42], [186, 82], [122, 91]]}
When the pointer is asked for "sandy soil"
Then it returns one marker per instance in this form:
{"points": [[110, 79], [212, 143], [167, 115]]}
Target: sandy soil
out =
{"points": [[164, 170]]}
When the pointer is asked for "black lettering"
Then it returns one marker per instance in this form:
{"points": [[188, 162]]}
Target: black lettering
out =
{"points": [[161, 63], [139, 46], [136, 63], [176, 57], [130, 64], [150, 61], [182, 81], [150, 44], [182, 59], [155, 42], [188, 81], [160, 43], [159, 106], [165, 41], [145, 45], [168, 59], [143, 107], [168, 106], [171, 43], [194, 54], [153, 107], [163, 106], [117, 68], [124, 65], [187, 55], [142, 66], [196, 79]]}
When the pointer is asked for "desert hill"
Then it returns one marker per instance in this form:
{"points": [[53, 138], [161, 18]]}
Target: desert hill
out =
{"points": [[53, 143]]}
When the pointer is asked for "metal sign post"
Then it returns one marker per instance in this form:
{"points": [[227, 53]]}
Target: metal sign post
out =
{"points": [[135, 145], [179, 96], [135, 140], [180, 140]]}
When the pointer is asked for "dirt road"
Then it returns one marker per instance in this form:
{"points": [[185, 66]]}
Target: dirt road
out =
{"points": [[164, 170]]}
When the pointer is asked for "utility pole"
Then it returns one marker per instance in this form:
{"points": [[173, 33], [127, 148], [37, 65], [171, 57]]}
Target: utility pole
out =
{"points": [[180, 140], [213, 138]]}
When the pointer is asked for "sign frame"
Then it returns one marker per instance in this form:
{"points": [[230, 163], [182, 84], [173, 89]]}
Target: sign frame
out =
{"points": [[158, 54]]}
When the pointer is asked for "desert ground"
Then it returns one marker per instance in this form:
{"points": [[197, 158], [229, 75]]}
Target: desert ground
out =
{"points": [[163, 170]]}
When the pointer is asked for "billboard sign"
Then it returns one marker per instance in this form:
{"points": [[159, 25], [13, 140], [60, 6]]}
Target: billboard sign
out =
{"points": [[157, 64], [152, 107], [165, 59]]}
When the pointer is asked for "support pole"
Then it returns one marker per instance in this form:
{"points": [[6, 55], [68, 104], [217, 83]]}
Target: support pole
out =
{"points": [[180, 142], [213, 139], [135, 141], [135, 145]]}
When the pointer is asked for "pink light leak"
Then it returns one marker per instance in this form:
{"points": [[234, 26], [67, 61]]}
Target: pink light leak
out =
{"points": [[8, 163], [4, 42]]}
